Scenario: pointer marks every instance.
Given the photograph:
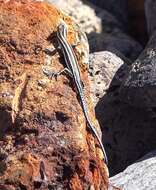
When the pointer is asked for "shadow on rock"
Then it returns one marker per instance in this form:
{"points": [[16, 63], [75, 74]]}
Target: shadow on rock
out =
{"points": [[5, 121], [129, 132]]}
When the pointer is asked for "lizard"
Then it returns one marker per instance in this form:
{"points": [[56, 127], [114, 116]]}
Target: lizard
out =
{"points": [[72, 68]]}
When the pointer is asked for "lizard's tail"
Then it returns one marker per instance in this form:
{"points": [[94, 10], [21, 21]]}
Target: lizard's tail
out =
{"points": [[92, 128]]}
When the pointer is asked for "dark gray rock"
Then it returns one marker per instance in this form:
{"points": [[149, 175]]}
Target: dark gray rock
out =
{"points": [[139, 176], [139, 87], [150, 10], [128, 132], [118, 8], [109, 21], [116, 42]]}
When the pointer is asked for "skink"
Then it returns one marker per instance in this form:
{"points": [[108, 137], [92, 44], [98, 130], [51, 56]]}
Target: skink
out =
{"points": [[72, 68]]}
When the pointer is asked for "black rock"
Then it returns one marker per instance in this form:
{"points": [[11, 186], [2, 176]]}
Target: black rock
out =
{"points": [[118, 8], [117, 42], [150, 11], [139, 87]]}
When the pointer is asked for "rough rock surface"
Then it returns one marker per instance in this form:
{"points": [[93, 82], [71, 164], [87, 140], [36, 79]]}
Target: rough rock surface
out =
{"points": [[139, 87], [139, 176], [43, 137], [103, 68]]}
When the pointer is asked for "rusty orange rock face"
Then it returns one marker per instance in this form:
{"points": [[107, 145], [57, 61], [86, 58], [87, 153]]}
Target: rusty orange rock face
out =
{"points": [[43, 137]]}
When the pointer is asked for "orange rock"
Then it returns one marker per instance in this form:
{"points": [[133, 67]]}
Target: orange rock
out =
{"points": [[43, 137]]}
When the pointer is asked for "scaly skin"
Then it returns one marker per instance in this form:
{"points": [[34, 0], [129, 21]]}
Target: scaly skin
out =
{"points": [[74, 71]]}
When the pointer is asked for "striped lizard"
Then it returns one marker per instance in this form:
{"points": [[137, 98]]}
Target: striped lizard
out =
{"points": [[72, 68]]}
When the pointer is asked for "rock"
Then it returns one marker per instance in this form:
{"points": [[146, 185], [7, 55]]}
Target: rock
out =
{"points": [[128, 132], [137, 21], [118, 9], [150, 8], [91, 18], [117, 42], [104, 31], [139, 176], [139, 87], [103, 68], [84, 15], [44, 143], [109, 22], [130, 13]]}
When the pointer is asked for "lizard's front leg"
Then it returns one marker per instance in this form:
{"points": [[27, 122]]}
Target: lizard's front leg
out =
{"points": [[53, 74]]}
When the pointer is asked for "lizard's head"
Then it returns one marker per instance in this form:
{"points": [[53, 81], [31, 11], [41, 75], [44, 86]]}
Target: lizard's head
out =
{"points": [[62, 28]]}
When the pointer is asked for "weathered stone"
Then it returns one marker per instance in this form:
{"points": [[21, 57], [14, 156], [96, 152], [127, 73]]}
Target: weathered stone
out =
{"points": [[104, 67], [139, 87], [139, 176], [43, 139]]}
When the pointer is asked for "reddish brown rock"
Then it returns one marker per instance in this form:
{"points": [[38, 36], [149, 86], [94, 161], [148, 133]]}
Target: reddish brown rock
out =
{"points": [[43, 136]]}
